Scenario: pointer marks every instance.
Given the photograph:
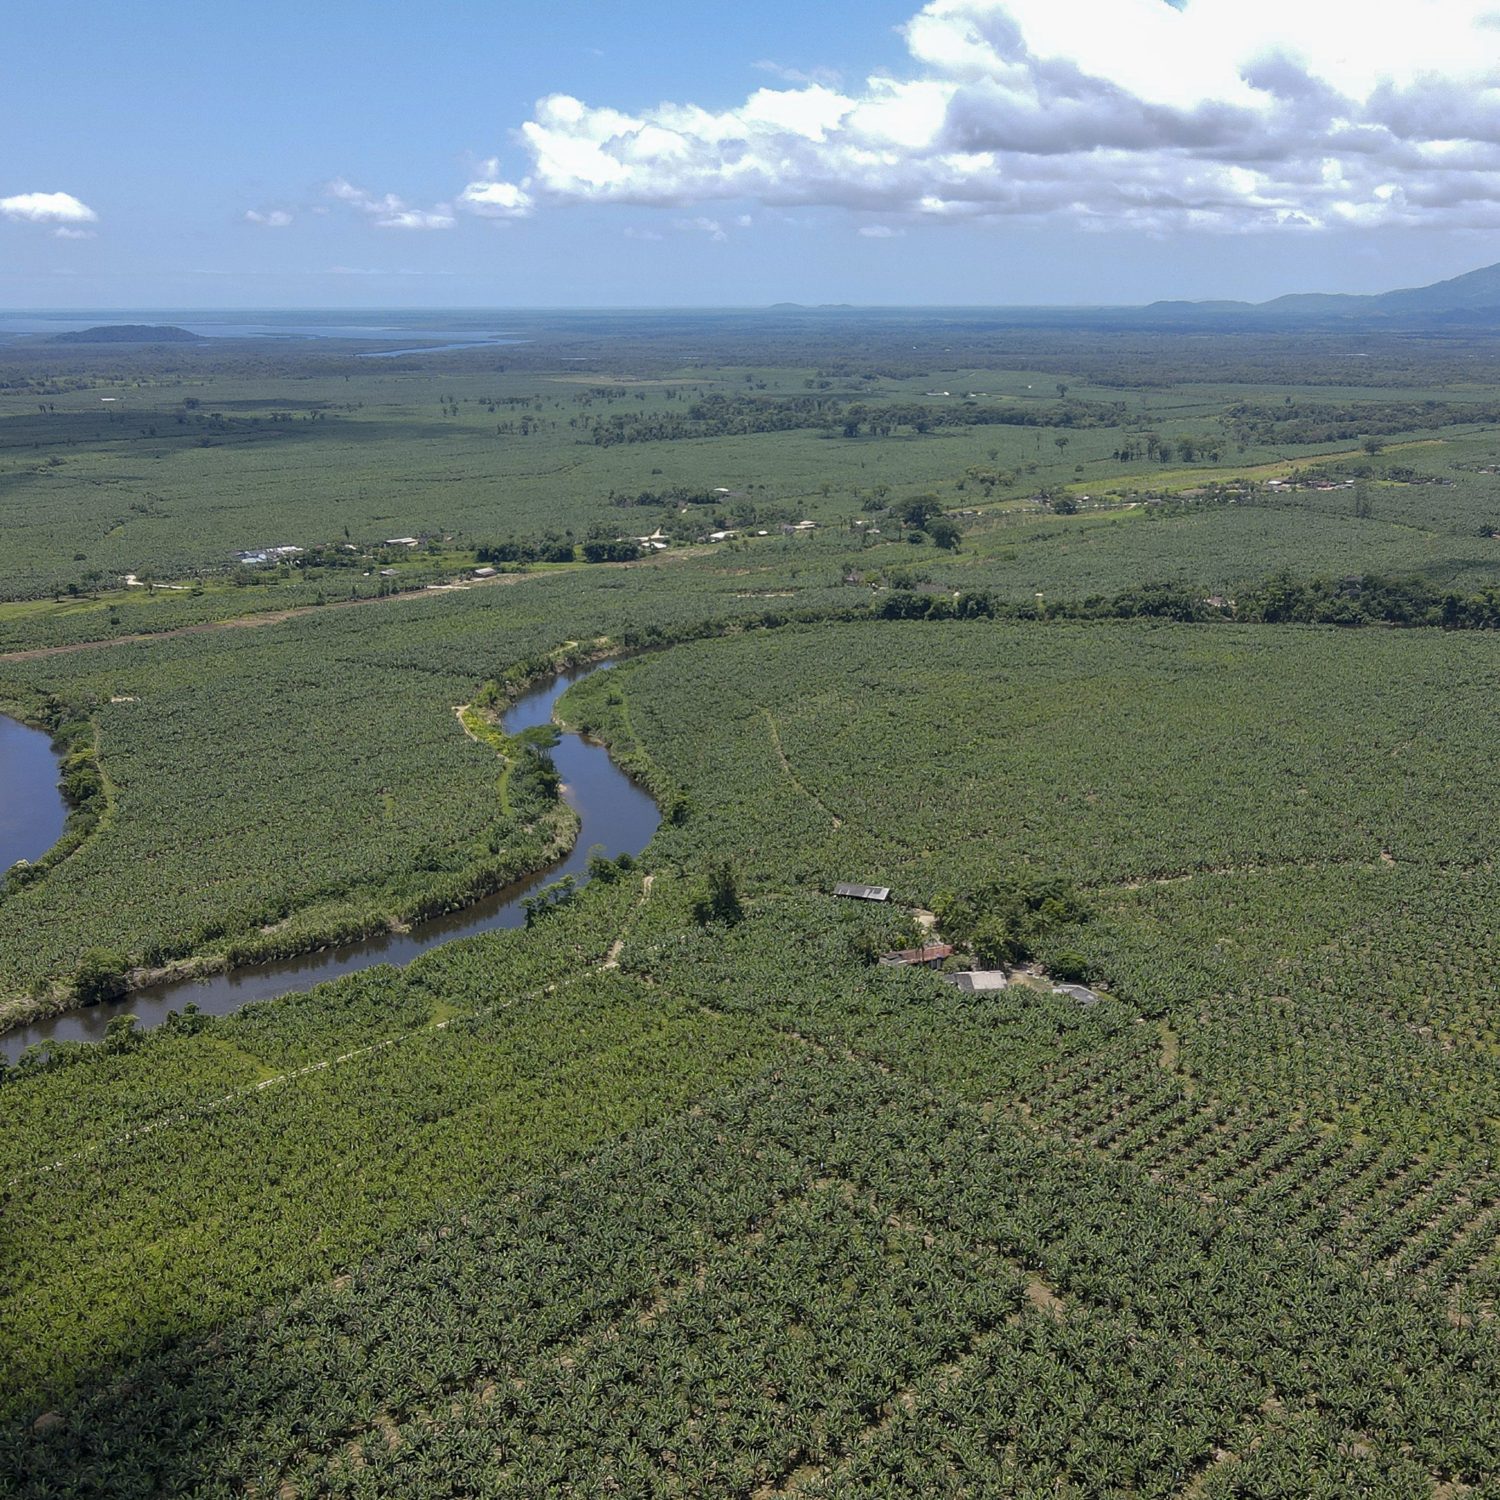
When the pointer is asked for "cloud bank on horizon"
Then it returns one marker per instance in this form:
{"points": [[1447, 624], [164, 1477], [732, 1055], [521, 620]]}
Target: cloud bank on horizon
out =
{"points": [[1215, 115]]}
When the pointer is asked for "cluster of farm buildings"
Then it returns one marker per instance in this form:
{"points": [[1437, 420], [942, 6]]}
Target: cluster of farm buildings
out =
{"points": [[935, 955], [658, 540], [264, 556]]}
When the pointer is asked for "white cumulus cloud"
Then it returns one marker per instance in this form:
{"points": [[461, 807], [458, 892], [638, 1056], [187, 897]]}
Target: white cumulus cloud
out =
{"points": [[1200, 114], [389, 211], [271, 218], [47, 208], [496, 200]]}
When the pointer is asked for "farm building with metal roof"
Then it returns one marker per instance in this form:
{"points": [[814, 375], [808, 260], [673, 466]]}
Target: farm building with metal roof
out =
{"points": [[863, 892], [929, 957], [978, 981], [1081, 993]]}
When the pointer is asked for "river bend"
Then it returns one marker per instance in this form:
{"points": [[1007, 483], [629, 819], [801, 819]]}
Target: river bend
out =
{"points": [[616, 816]]}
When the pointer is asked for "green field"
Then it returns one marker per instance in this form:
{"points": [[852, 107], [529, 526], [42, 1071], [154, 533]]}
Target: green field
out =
{"points": [[677, 1191]]}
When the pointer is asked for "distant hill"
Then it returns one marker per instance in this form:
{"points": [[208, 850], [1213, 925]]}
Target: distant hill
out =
{"points": [[130, 333], [1473, 298], [1474, 289]]}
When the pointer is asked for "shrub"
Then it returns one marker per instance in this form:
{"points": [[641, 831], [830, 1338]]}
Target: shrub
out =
{"points": [[100, 976]]}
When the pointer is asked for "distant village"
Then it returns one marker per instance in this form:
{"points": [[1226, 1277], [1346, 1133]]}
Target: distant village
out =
{"points": [[605, 547]]}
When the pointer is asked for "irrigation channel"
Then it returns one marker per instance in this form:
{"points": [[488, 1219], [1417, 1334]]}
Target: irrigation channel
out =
{"points": [[615, 816]]}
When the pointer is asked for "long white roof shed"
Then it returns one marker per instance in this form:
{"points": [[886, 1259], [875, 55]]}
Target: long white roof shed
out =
{"points": [[864, 892]]}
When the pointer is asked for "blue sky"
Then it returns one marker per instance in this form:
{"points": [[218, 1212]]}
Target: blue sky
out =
{"points": [[590, 153]]}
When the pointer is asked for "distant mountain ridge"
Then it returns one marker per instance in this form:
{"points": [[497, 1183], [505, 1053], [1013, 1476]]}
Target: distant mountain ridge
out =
{"points": [[1469, 301], [1472, 297]]}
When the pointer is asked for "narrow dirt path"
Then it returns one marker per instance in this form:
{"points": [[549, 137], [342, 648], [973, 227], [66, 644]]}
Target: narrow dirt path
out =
{"points": [[792, 776], [280, 616], [618, 946], [248, 622], [249, 1090], [1386, 861]]}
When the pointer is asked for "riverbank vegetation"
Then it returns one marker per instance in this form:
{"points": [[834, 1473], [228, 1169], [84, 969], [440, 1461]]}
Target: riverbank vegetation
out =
{"points": [[81, 784]]}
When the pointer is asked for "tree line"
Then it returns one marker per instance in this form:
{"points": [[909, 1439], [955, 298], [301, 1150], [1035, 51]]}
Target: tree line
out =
{"points": [[738, 416]]}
